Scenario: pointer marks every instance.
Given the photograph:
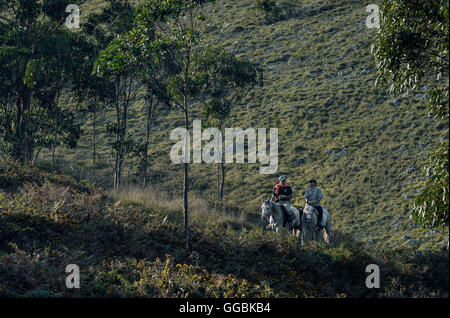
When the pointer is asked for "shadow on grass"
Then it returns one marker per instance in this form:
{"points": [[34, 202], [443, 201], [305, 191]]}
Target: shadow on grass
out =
{"points": [[252, 254]]}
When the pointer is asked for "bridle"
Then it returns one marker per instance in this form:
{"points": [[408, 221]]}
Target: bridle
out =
{"points": [[305, 211], [269, 204], [268, 215]]}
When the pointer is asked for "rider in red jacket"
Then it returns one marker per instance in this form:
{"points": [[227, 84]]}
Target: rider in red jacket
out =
{"points": [[282, 194]]}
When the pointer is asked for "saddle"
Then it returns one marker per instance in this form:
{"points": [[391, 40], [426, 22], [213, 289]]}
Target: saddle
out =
{"points": [[288, 218]]}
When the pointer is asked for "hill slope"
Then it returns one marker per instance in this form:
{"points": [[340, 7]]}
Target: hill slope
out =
{"points": [[131, 245], [364, 146]]}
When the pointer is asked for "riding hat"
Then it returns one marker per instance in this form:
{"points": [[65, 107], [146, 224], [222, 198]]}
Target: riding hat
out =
{"points": [[282, 178]]}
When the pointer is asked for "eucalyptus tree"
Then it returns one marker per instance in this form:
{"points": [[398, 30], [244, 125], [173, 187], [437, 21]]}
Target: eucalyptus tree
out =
{"points": [[171, 37], [110, 84], [223, 79], [171, 31], [141, 148], [93, 95], [119, 65], [412, 49], [35, 65]]}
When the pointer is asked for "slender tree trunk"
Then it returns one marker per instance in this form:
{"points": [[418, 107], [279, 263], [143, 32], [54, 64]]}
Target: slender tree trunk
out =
{"points": [[218, 182], [95, 143], [220, 170], [55, 137], [29, 149], [22, 149], [186, 184], [222, 184], [54, 142], [150, 112], [117, 172], [36, 156], [186, 164], [17, 151], [126, 102], [28, 139], [118, 142]]}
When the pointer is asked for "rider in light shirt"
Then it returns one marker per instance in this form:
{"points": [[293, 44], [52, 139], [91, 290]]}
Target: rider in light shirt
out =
{"points": [[313, 195]]}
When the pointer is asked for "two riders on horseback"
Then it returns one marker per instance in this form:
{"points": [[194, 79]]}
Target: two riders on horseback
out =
{"points": [[282, 194]]}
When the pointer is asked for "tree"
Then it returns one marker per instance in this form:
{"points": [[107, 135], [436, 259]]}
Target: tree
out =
{"points": [[35, 65], [92, 93], [223, 77], [431, 205], [114, 65], [117, 63], [155, 69], [170, 34], [140, 149], [411, 48], [177, 28]]}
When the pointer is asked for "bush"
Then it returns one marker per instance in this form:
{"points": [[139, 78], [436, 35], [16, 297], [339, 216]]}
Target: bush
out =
{"points": [[272, 12]]}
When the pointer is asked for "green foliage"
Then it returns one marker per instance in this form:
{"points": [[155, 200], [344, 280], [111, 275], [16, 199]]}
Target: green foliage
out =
{"points": [[272, 12], [431, 206], [154, 10], [118, 63], [115, 18], [412, 42], [222, 77], [318, 91], [39, 56], [411, 48], [115, 60]]}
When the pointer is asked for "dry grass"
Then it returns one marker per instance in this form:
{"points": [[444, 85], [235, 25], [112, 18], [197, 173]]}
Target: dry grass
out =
{"points": [[133, 247], [201, 211]]}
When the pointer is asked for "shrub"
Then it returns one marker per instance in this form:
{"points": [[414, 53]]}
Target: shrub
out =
{"points": [[272, 12]]}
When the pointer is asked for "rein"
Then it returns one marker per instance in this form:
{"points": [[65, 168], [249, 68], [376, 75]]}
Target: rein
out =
{"points": [[270, 213], [283, 213]]}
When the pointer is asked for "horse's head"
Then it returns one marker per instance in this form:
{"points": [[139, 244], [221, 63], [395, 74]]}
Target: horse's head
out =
{"points": [[309, 212], [266, 209]]}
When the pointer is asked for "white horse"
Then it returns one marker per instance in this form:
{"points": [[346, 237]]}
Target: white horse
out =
{"points": [[277, 217], [309, 222]]}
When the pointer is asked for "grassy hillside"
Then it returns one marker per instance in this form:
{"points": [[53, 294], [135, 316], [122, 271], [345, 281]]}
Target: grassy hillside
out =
{"points": [[130, 244], [365, 148]]}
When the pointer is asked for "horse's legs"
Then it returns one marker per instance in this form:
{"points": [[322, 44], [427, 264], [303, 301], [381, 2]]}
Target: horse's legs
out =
{"points": [[303, 235], [326, 238], [315, 234], [328, 229]]}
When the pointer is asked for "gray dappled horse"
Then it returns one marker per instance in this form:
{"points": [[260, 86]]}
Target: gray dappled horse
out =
{"points": [[309, 222], [277, 217]]}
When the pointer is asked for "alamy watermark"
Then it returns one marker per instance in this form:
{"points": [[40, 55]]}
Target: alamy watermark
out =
{"points": [[212, 151], [73, 279], [73, 20], [373, 19], [373, 280]]}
